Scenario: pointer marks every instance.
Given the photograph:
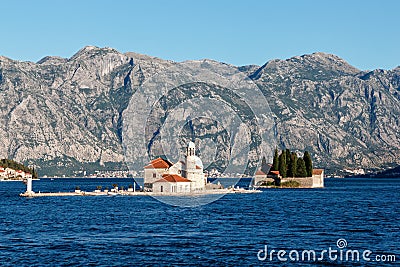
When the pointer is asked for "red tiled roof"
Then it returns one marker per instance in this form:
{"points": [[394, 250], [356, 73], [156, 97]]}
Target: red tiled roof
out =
{"points": [[260, 172], [317, 171], [275, 172], [172, 178], [198, 167], [2, 170], [159, 163]]}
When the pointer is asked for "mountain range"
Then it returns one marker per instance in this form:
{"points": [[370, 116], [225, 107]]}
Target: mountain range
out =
{"points": [[65, 115]]}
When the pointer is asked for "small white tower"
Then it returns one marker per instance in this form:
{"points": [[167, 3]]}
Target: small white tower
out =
{"points": [[29, 185]]}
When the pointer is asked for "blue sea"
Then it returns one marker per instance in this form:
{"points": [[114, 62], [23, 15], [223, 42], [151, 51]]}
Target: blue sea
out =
{"points": [[236, 230]]}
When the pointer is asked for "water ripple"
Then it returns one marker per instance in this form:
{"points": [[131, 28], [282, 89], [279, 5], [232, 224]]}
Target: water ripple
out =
{"points": [[134, 231]]}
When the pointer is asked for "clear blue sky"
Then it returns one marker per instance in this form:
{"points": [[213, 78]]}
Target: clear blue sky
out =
{"points": [[364, 33]]}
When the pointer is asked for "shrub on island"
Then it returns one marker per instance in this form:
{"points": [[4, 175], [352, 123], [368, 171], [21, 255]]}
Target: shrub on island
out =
{"points": [[290, 184]]}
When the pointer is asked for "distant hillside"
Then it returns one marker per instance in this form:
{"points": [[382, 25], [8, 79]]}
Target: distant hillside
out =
{"points": [[395, 172], [67, 114], [389, 173], [8, 163]]}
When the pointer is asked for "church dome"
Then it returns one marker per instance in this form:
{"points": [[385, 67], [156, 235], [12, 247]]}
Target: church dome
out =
{"points": [[198, 162], [194, 161]]}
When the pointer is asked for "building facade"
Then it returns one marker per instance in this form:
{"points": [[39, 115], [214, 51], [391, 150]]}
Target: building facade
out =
{"points": [[3, 173], [154, 172], [172, 183], [190, 169]]}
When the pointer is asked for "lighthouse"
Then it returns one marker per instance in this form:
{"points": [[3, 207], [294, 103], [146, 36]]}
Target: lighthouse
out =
{"points": [[28, 182]]}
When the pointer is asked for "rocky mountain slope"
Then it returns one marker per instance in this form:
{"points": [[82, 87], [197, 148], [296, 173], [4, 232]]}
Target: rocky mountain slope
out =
{"points": [[346, 117], [67, 114]]}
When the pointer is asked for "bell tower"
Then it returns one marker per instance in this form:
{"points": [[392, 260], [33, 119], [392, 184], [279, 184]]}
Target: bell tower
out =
{"points": [[190, 150]]}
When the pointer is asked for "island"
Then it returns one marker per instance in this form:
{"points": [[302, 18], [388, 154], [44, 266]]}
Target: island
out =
{"points": [[289, 171], [162, 178]]}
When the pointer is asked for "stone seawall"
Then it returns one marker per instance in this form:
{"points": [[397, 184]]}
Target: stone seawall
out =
{"points": [[306, 182]]}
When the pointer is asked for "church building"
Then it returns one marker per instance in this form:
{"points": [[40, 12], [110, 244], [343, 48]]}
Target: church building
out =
{"points": [[162, 176]]}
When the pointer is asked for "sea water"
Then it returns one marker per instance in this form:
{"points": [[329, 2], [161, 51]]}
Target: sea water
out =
{"points": [[236, 230]]}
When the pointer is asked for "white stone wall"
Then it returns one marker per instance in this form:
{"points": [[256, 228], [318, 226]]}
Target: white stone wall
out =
{"points": [[307, 182], [149, 175], [177, 168], [318, 180], [167, 187], [198, 180]]}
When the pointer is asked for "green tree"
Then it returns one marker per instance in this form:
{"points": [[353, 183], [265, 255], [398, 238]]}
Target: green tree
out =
{"points": [[282, 164], [264, 165], [275, 163], [292, 166], [9, 163], [301, 168], [287, 153], [34, 173], [308, 163]]}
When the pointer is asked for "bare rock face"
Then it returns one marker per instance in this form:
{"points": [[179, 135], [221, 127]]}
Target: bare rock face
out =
{"points": [[64, 108], [346, 117], [62, 113]]}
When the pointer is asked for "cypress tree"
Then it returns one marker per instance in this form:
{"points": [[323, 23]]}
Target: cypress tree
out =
{"points": [[292, 166], [301, 168], [275, 163], [289, 172], [287, 153], [34, 173], [282, 164], [308, 163]]}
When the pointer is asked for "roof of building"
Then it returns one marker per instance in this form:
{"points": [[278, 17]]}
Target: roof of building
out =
{"points": [[260, 172], [198, 167], [159, 163], [172, 178], [317, 171], [274, 172]]}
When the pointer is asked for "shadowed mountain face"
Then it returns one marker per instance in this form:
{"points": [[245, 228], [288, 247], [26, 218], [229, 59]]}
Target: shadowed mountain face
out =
{"points": [[67, 114]]}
